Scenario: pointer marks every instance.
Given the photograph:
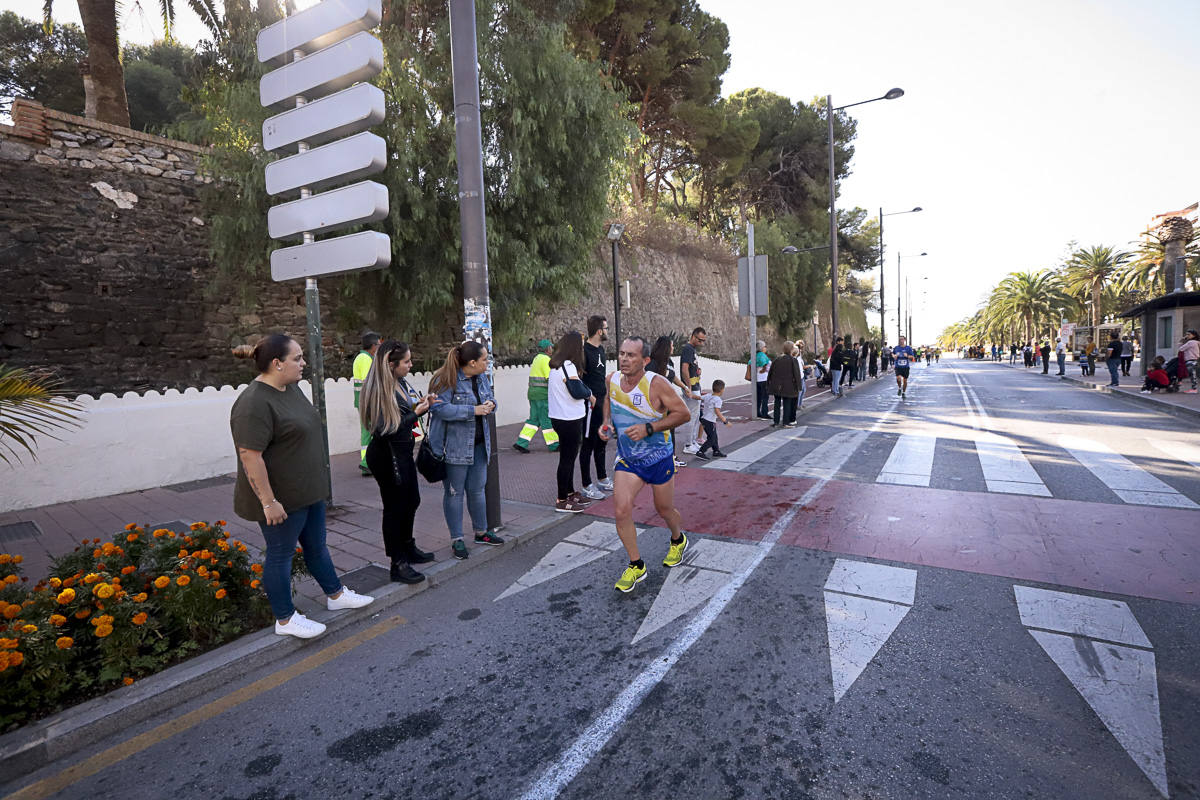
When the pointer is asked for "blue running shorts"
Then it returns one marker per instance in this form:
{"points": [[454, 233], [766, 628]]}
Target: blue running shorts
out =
{"points": [[654, 474]]}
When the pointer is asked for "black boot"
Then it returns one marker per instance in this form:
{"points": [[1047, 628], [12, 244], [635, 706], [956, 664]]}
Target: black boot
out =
{"points": [[403, 573], [415, 555]]}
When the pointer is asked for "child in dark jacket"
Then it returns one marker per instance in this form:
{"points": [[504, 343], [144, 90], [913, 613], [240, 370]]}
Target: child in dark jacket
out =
{"points": [[1156, 376]]}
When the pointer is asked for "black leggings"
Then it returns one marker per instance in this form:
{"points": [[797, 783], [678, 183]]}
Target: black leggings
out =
{"points": [[570, 434], [400, 497], [592, 448]]}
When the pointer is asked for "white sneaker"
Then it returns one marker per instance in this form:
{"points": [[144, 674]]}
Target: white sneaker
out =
{"points": [[593, 492], [348, 599], [692, 448], [606, 484], [299, 626]]}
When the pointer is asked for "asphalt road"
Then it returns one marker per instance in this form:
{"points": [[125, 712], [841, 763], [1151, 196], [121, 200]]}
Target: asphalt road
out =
{"points": [[984, 590]]}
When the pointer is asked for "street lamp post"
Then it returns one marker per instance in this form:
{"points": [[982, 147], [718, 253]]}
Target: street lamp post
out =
{"points": [[833, 231], [899, 306], [882, 302], [614, 236]]}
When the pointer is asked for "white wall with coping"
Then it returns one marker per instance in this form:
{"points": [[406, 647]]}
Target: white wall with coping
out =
{"points": [[136, 442]]}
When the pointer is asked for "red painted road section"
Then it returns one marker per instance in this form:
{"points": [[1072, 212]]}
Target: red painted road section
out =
{"points": [[1130, 550]]}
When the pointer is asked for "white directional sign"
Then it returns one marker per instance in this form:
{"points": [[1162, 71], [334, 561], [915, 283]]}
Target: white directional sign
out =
{"points": [[322, 56], [328, 70], [350, 205], [341, 114], [317, 27], [339, 255], [345, 160]]}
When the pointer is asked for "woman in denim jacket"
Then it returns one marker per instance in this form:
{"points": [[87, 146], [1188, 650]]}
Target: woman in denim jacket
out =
{"points": [[459, 430]]}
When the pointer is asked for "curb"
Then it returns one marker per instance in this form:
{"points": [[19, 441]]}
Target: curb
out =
{"points": [[47, 740], [1183, 412]]}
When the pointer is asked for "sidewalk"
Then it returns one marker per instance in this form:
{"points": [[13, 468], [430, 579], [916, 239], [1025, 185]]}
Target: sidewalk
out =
{"points": [[1182, 405]]}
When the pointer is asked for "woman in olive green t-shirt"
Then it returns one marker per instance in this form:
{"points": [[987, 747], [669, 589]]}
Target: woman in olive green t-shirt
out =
{"points": [[282, 482]]}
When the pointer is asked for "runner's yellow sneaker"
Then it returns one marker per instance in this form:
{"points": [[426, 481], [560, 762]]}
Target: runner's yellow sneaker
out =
{"points": [[675, 552], [630, 577]]}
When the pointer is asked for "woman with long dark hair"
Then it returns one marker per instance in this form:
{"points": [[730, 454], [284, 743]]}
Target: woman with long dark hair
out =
{"points": [[283, 480], [569, 402], [660, 364], [458, 431], [388, 409]]}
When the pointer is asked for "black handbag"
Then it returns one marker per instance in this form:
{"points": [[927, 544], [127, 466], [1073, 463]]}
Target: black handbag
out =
{"points": [[432, 466]]}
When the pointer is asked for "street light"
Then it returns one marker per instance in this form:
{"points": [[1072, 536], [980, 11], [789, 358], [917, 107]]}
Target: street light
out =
{"points": [[908, 297], [791, 250], [892, 94], [614, 235], [899, 306], [882, 323]]}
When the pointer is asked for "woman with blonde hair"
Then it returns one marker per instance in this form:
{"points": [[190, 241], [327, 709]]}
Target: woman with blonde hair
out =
{"points": [[388, 409], [458, 433]]}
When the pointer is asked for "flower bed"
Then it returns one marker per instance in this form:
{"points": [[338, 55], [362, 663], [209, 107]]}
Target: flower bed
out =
{"points": [[110, 613]]}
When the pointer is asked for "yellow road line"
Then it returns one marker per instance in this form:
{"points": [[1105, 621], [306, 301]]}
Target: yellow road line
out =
{"points": [[77, 772]]}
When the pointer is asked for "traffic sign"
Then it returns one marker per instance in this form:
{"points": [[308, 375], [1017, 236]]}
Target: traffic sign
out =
{"points": [[340, 162], [337, 256], [317, 27], [341, 114], [760, 286], [357, 58], [340, 208]]}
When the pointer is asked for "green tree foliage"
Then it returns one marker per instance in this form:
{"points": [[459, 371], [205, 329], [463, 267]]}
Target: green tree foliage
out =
{"points": [[41, 67], [1089, 271], [156, 78]]}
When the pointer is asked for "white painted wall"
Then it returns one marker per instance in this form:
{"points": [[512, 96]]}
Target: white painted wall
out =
{"points": [[137, 442]]}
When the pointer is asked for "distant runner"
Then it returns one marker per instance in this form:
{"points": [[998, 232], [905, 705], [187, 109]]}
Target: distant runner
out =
{"points": [[642, 410], [903, 355]]}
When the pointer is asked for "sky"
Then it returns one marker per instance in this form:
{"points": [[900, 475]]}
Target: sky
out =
{"points": [[1025, 125]]}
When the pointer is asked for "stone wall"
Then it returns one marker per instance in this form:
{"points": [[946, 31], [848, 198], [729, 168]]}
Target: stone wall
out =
{"points": [[104, 258]]}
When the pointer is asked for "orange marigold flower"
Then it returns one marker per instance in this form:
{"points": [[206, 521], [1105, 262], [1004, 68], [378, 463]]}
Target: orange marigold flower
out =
{"points": [[229, 563], [8, 644], [256, 569], [115, 581], [202, 571], [3, 661], [16, 659], [91, 577], [161, 581], [57, 620], [183, 554], [5, 558], [83, 613], [130, 527], [206, 554], [128, 681], [214, 574], [96, 553], [133, 537], [223, 545], [65, 596], [159, 533], [241, 548], [196, 526], [103, 630], [220, 594], [140, 597], [11, 611], [183, 580], [108, 548], [64, 642], [140, 618], [254, 584], [29, 629], [68, 583], [18, 559], [103, 591], [55, 583], [11, 579]]}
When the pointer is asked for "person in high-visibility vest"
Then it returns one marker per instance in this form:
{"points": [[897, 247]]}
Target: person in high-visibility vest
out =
{"points": [[362, 365], [539, 403]]}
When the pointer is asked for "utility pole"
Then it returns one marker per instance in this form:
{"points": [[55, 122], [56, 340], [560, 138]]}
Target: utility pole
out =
{"points": [[752, 299], [833, 226], [477, 310]]}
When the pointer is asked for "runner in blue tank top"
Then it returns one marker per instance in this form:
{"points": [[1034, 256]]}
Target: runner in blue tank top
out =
{"points": [[903, 355], [641, 410]]}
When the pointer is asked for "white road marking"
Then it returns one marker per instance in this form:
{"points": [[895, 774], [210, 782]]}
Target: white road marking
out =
{"points": [[585, 545], [1005, 468], [830, 455], [1182, 451], [1104, 653], [708, 565], [864, 603], [738, 460], [1125, 479], [558, 775], [911, 461]]}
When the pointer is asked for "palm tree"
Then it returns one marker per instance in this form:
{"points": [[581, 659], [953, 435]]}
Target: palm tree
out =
{"points": [[1031, 297], [1143, 274], [1087, 272], [31, 405], [106, 83]]}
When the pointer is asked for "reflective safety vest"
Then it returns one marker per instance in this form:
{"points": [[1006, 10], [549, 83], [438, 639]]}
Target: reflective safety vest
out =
{"points": [[539, 378], [362, 365]]}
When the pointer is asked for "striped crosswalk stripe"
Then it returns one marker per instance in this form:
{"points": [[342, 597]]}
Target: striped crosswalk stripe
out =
{"points": [[911, 461], [1005, 468], [1125, 479], [829, 456], [743, 457]]}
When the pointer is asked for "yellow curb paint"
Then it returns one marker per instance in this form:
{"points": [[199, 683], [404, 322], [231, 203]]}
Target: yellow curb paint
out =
{"points": [[84, 769]]}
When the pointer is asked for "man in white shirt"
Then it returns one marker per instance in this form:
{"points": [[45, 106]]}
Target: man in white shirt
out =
{"points": [[1061, 350]]}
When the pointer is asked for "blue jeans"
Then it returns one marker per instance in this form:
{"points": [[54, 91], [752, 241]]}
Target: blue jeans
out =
{"points": [[1062, 363], [471, 479], [835, 376], [306, 527], [1114, 366]]}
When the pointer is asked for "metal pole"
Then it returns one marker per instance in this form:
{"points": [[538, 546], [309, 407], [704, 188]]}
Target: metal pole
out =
{"points": [[312, 308], [882, 302], [477, 316], [899, 305], [833, 228], [752, 305], [616, 297]]}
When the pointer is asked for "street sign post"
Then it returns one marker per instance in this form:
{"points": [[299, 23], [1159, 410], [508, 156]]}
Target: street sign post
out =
{"points": [[759, 281], [324, 54]]}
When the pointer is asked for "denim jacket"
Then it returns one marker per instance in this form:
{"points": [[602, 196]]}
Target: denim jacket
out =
{"points": [[454, 418]]}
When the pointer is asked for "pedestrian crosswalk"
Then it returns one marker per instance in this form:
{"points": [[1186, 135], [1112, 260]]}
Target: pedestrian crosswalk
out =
{"points": [[1071, 467]]}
